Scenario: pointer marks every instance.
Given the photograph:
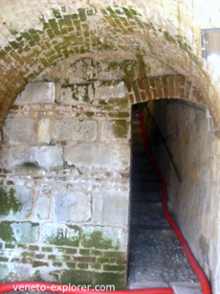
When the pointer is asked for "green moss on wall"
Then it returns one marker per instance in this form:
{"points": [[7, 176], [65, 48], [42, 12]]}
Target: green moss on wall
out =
{"points": [[6, 232], [120, 128], [168, 37], [8, 200], [97, 240], [63, 240], [71, 242], [121, 103]]}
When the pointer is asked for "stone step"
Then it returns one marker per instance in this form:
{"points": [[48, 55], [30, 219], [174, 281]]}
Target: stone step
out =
{"points": [[142, 154], [146, 208], [149, 198], [146, 284], [148, 216], [138, 147], [145, 168], [137, 133], [139, 150], [154, 226], [141, 159], [178, 288], [150, 223], [156, 256], [143, 164], [145, 196], [185, 288], [145, 178], [141, 187]]}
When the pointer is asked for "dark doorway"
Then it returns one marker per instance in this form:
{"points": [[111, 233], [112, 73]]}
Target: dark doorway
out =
{"points": [[155, 255]]}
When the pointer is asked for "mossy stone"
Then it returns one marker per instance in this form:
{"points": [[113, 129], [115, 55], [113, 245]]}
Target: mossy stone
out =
{"points": [[72, 242], [8, 200], [120, 128], [97, 240], [6, 232]]}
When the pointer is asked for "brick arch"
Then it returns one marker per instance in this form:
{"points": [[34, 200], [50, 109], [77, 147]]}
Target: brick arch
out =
{"points": [[164, 87], [44, 33]]}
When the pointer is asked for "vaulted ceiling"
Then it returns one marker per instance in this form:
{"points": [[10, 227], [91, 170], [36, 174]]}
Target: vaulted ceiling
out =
{"points": [[38, 34]]}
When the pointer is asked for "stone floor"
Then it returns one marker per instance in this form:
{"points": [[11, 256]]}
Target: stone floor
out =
{"points": [[155, 255]]}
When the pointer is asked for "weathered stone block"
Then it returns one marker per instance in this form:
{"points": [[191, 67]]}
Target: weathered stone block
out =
{"points": [[37, 92], [4, 272], [110, 90], [62, 130], [105, 238], [42, 206], [72, 204], [60, 234], [25, 232], [114, 130], [12, 157], [24, 196], [74, 93], [47, 157], [20, 130], [111, 157], [21, 272], [74, 130], [44, 131], [110, 206], [64, 95], [44, 157]]}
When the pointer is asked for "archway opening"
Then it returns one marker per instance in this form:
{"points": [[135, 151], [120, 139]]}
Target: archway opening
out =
{"points": [[178, 135]]}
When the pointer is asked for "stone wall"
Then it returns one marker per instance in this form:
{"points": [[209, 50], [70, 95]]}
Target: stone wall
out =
{"points": [[64, 184], [188, 129]]}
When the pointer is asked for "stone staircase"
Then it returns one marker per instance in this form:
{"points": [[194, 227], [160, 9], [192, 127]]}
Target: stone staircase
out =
{"points": [[155, 255]]}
